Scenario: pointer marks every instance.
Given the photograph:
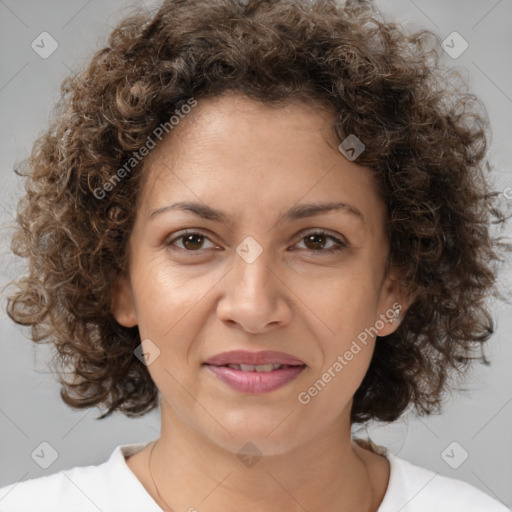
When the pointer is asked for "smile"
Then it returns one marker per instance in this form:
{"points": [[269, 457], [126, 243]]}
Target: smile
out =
{"points": [[248, 378]]}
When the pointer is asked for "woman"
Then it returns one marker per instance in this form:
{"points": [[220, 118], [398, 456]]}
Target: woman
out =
{"points": [[269, 218]]}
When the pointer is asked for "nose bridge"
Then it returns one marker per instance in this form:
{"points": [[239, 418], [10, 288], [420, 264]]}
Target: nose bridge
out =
{"points": [[253, 297], [252, 274]]}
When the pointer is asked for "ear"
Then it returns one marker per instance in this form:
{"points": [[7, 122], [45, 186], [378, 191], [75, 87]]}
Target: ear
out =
{"points": [[394, 302], [123, 307]]}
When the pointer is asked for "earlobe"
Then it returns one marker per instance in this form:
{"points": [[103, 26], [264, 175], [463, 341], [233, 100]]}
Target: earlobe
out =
{"points": [[392, 319], [123, 308], [396, 304]]}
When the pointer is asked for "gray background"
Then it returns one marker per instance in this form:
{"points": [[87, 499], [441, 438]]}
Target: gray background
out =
{"points": [[31, 411]]}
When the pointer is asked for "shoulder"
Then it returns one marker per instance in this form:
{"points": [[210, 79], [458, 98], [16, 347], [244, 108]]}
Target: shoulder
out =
{"points": [[80, 489], [413, 488], [34, 494], [74, 487]]}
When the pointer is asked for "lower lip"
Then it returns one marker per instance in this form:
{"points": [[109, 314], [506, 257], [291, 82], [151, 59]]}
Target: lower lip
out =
{"points": [[255, 382]]}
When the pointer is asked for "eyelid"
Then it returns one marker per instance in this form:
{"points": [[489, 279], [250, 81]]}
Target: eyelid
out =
{"points": [[326, 233], [184, 232]]}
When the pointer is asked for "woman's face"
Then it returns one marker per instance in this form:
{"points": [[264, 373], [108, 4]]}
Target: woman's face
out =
{"points": [[257, 271]]}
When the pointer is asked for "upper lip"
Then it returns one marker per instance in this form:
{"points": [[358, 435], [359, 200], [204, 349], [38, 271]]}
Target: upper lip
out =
{"points": [[246, 357]]}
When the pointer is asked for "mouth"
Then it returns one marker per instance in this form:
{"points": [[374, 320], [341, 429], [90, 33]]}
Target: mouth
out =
{"points": [[254, 361], [262, 368], [255, 372]]}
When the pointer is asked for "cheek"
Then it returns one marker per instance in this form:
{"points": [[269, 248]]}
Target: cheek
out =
{"points": [[165, 293], [345, 363], [350, 309], [172, 308], [330, 390], [342, 305], [159, 308]]}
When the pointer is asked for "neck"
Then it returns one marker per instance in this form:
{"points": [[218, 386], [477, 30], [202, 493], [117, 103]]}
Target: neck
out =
{"points": [[191, 472]]}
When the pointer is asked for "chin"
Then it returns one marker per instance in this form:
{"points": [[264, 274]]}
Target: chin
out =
{"points": [[252, 435], [245, 446]]}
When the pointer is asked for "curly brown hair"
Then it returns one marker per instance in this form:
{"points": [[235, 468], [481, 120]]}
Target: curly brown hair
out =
{"points": [[425, 139]]}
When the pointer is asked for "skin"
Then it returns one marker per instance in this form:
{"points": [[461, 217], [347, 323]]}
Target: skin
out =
{"points": [[255, 162]]}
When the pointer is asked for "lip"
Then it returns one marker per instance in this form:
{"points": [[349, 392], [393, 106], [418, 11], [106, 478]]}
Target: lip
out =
{"points": [[247, 357], [255, 382]]}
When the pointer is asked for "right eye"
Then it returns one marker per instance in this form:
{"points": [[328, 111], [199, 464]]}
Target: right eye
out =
{"points": [[191, 240]]}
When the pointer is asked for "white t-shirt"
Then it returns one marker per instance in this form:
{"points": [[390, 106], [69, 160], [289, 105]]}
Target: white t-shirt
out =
{"points": [[113, 487]]}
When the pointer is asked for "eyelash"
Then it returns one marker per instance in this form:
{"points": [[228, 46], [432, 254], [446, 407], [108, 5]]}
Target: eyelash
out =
{"points": [[340, 245]]}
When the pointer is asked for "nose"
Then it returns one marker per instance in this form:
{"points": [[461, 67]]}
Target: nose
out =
{"points": [[255, 297]]}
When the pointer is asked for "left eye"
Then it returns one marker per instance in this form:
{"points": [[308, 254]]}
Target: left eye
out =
{"points": [[314, 237], [193, 240]]}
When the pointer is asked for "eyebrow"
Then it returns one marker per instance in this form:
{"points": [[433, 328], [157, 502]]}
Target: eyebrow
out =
{"points": [[299, 211]]}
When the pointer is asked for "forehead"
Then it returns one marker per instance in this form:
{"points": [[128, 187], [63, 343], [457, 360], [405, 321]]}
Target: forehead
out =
{"points": [[232, 149], [249, 127]]}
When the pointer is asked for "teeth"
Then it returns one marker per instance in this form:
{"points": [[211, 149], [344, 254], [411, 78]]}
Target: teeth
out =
{"points": [[266, 367], [255, 367]]}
